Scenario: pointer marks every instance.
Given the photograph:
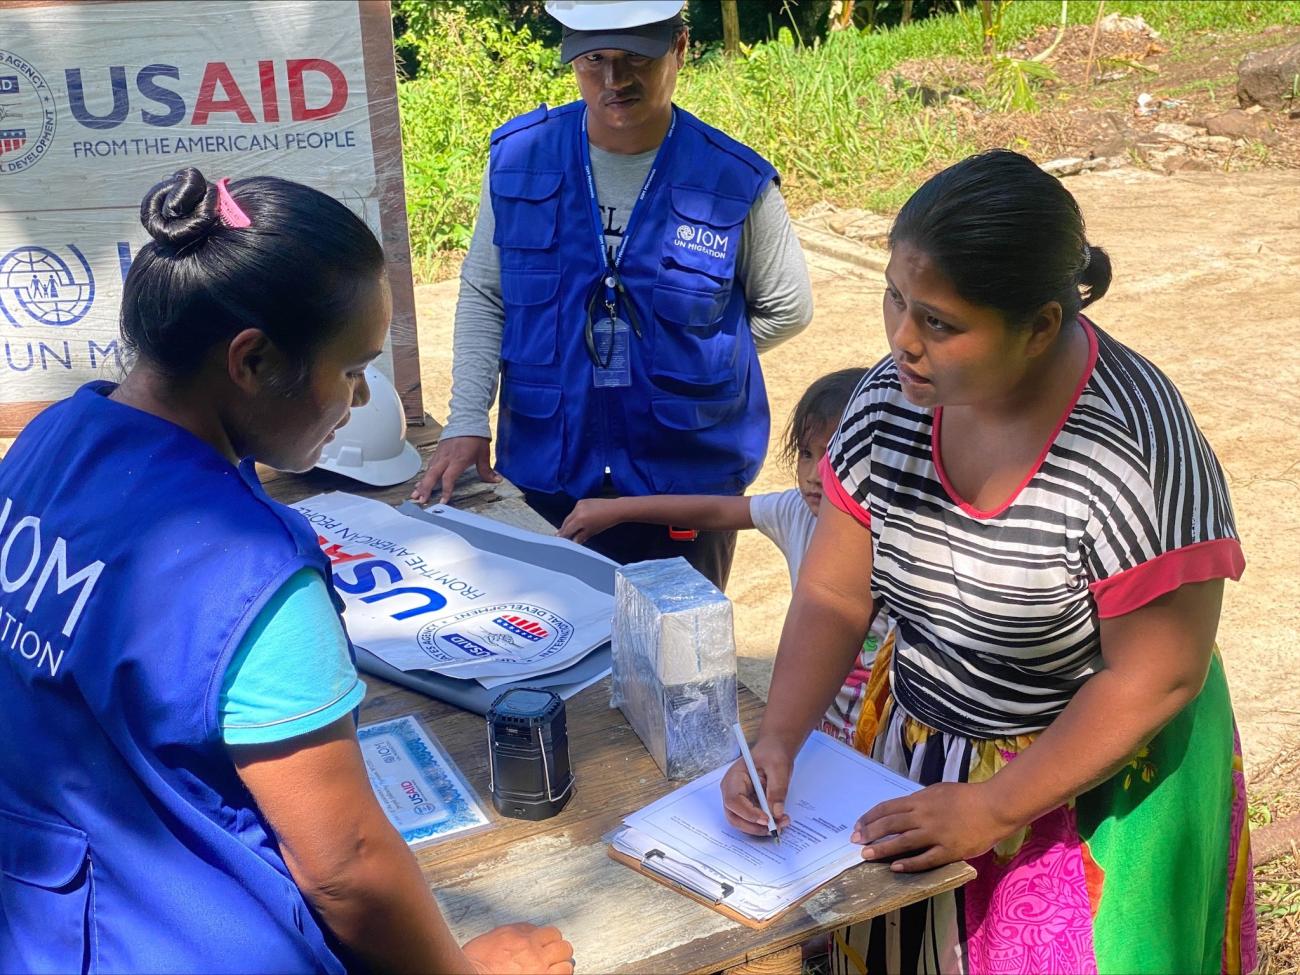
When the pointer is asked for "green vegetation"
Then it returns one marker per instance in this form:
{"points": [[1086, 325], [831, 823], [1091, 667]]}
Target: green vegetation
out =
{"points": [[825, 114], [484, 73]]}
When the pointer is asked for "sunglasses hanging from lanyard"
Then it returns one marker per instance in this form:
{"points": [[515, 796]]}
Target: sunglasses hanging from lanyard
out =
{"points": [[610, 311], [606, 330]]}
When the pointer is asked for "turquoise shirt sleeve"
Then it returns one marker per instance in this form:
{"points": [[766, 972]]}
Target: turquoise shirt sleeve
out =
{"points": [[292, 673]]}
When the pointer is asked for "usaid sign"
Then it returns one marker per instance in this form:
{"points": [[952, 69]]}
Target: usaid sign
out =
{"points": [[99, 101]]}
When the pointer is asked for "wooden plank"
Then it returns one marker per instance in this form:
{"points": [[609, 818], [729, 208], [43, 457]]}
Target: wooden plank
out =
{"points": [[557, 871], [386, 143], [788, 961], [15, 416], [562, 865]]}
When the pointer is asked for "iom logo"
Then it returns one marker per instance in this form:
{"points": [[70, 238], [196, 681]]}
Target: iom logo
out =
{"points": [[27, 115], [702, 240], [40, 287]]}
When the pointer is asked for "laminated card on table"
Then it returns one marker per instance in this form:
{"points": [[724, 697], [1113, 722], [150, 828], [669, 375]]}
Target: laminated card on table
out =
{"points": [[685, 841], [419, 787]]}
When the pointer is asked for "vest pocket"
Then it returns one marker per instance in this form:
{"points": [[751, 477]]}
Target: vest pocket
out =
{"points": [[525, 204], [531, 316], [46, 903], [705, 234], [691, 446], [530, 450], [694, 344], [682, 413]]}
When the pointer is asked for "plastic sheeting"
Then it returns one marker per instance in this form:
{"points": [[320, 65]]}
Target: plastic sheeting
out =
{"points": [[674, 659], [100, 101]]}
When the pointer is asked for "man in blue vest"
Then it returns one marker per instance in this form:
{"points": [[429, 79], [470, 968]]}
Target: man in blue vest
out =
{"points": [[628, 265]]}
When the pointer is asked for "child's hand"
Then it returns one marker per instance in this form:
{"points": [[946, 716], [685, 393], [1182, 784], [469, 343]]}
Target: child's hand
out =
{"points": [[590, 517], [943, 823]]}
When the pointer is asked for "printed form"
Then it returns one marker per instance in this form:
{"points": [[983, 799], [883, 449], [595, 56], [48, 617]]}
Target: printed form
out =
{"points": [[686, 836]]}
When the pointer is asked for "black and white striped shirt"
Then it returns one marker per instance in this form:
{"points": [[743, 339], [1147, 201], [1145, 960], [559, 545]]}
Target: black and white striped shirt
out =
{"points": [[997, 614]]}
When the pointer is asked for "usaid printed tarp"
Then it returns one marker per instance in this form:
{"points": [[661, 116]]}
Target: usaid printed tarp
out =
{"points": [[99, 101], [420, 597]]}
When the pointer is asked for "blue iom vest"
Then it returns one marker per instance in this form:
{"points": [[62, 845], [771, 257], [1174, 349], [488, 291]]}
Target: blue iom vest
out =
{"points": [[694, 419], [132, 560]]}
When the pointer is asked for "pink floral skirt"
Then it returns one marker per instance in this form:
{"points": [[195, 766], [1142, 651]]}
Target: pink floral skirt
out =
{"points": [[1148, 872]]}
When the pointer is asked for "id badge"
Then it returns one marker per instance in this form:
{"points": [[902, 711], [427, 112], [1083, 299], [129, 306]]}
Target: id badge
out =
{"points": [[610, 336]]}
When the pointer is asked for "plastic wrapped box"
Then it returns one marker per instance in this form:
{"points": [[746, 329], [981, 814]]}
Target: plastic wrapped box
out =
{"points": [[674, 660]]}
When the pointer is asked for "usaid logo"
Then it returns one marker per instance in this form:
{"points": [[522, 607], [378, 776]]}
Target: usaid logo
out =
{"points": [[27, 115], [522, 626], [468, 645], [508, 632], [304, 89], [703, 240], [40, 287]]}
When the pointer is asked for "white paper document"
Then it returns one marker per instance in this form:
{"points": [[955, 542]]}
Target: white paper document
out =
{"points": [[421, 597], [685, 835]]}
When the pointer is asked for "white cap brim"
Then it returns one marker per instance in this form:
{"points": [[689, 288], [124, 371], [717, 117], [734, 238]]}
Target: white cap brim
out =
{"points": [[604, 15]]}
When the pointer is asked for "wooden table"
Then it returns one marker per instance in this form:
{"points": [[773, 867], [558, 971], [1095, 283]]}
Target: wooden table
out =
{"points": [[558, 871]]}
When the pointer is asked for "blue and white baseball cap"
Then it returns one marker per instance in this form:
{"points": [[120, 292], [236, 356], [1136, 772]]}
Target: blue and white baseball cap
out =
{"points": [[644, 27]]}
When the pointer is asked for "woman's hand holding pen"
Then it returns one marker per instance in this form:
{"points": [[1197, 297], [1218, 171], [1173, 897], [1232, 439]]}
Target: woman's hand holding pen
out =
{"points": [[774, 762]]}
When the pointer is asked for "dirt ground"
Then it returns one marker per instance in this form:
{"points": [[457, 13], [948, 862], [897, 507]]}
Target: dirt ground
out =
{"points": [[1205, 286]]}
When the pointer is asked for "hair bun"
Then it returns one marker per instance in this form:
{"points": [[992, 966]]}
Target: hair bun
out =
{"points": [[181, 209]]}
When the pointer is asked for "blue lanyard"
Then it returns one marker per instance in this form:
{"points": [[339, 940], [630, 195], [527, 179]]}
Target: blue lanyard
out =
{"points": [[612, 284]]}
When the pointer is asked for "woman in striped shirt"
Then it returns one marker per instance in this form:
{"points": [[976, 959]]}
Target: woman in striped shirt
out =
{"points": [[1047, 533]]}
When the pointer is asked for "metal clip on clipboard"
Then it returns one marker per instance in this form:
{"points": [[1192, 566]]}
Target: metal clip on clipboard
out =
{"points": [[688, 876]]}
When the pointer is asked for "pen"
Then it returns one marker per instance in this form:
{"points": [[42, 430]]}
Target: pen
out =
{"points": [[758, 785]]}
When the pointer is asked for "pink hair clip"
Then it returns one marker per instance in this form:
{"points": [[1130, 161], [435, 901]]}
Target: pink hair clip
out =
{"points": [[228, 211]]}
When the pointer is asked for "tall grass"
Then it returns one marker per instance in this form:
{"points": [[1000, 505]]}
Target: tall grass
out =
{"points": [[819, 113]]}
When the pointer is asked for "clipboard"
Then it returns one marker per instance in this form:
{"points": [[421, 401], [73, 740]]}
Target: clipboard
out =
{"points": [[644, 870]]}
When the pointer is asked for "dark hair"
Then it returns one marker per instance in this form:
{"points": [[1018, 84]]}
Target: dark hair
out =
{"points": [[296, 272], [1008, 235], [823, 402]]}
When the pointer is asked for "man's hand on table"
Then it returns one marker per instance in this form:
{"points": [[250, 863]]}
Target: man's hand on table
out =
{"points": [[515, 949], [451, 458]]}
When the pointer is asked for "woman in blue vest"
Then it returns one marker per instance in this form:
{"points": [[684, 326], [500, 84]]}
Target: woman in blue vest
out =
{"points": [[181, 787]]}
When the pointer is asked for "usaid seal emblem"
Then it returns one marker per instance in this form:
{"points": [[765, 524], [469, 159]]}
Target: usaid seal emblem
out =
{"points": [[507, 633], [686, 233], [27, 115], [39, 287]]}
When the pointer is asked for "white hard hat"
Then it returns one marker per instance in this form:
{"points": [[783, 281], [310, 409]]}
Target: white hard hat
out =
{"points": [[371, 447], [643, 27]]}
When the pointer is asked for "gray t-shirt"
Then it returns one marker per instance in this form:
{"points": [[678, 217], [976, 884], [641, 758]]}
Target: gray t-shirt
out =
{"points": [[769, 266]]}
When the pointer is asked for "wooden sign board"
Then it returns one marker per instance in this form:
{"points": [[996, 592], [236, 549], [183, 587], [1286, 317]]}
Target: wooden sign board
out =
{"points": [[101, 100]]}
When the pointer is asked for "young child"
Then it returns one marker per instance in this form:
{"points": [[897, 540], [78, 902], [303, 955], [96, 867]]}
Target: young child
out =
{"points": [[786, 517]]}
